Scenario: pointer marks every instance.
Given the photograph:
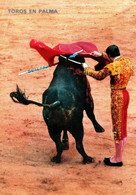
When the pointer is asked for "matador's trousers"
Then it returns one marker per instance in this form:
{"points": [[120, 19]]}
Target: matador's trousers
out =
{"points": [[119, 106]]}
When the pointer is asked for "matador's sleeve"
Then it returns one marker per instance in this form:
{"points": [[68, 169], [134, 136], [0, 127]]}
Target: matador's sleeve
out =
{"points": [[99, 75]]}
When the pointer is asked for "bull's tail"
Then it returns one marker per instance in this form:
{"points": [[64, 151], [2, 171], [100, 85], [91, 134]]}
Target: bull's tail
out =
{"points": [[20, 97]]}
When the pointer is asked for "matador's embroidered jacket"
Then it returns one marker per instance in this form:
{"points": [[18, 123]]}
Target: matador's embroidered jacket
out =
{"points": [[120, 71]]}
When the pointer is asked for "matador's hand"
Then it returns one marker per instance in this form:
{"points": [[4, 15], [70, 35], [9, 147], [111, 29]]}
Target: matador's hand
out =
{"points": [[85, 65]]}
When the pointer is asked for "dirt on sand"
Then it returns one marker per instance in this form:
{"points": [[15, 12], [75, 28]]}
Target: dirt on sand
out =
{"points": [[25, 145]]}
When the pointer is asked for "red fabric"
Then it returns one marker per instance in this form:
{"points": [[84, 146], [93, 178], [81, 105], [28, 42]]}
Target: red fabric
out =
{"points": [[124, 113], [46, 52], [71, 48], [63, 49]]}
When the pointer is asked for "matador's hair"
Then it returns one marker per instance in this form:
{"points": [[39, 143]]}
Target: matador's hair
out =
{"points": [[113, 51]]}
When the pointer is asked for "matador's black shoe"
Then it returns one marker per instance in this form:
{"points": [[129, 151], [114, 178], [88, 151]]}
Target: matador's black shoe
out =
{"points": [[108, 163]]}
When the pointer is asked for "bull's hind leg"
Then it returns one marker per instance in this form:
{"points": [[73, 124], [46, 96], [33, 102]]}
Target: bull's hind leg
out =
{"points": [[65, 141], [78, 135], [55, 134], [89, 108]]}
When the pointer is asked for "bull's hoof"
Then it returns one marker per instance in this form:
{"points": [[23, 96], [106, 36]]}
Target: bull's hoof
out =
{"points": [[56, 159], [99, 128], [88, 160], [65, 145]]}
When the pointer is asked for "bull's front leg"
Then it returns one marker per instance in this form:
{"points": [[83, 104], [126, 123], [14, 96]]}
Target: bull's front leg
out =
{"points": [[98, 128], [56, 137], [89, 108], [78, 135]]}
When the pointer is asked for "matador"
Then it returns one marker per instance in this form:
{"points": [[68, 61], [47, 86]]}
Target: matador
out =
{"points": [[119, 69]]}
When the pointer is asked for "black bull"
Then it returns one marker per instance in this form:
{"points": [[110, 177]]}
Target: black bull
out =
{"points": [[63, 105]]}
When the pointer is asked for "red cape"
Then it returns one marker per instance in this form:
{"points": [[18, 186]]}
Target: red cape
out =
{"points": [[63, 49]]}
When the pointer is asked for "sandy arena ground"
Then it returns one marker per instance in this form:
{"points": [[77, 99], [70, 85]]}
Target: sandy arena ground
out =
{"points": [[25, 145]]}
